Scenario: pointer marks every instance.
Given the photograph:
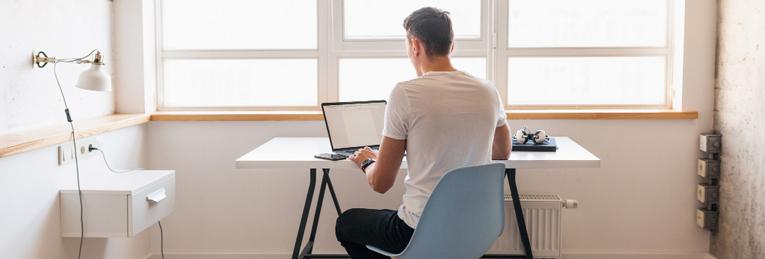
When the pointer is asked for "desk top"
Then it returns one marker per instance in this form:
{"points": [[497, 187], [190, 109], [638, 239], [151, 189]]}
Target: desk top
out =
{"points": [[299, 152]]}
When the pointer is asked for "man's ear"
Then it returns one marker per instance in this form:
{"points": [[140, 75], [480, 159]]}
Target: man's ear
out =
{"points": [[414, 43]]}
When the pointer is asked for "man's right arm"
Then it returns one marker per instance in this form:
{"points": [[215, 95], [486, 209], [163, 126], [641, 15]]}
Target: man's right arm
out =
{"points": [[502, 145]]}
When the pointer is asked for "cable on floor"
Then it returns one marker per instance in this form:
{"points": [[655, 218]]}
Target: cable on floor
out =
{"points": [[161, 240]]}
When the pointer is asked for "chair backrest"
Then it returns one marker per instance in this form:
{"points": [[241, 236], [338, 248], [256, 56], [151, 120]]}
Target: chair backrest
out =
{"points": [[463, 217]]}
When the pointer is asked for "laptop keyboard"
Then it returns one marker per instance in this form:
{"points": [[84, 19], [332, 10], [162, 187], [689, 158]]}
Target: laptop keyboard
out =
{"points": [[349, 152], [345, 152]]}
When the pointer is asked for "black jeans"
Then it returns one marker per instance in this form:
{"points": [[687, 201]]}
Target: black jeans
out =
{"points": [[357, 228]]}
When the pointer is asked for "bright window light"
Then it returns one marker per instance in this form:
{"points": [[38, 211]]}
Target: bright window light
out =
{"points": [[295, 54], [383, 19], [586, 81], [239, 24], [373, 79], [240, 82], [587, 23]]}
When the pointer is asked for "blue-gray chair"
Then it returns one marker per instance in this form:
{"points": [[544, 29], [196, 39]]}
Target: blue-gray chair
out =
{"points": [[463, 217]]}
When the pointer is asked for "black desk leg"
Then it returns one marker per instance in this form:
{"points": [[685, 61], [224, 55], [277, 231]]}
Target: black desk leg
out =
{"points": [[309, 247], [304, 218], [332, 191], [521, 221], [307, 250]]}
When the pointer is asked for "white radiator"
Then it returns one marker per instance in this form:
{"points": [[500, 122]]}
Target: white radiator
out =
{"points": [[543, 213]]}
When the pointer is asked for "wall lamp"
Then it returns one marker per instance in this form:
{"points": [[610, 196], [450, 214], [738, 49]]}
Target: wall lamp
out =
{"points": [[94, 78]]}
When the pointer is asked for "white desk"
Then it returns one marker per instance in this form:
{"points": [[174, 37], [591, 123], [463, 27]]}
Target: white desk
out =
{"points": [[297, 153]]}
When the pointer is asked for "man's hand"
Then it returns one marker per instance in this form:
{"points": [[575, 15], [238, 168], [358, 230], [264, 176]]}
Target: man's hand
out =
{"points": [[362, 155]]}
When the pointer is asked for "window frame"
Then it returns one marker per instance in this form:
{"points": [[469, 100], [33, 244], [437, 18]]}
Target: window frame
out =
{"points": [[162, 54], [503, 52], [492, 45]]}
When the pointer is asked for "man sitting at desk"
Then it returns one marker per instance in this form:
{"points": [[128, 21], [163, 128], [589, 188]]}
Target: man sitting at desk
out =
{"points": [[444, 119]]}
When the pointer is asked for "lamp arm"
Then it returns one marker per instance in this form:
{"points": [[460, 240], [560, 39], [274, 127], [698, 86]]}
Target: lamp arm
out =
{"points": [[41, 59], [82, 59]]}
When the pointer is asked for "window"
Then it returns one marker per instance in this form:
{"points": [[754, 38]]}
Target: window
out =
{"points": [[374, 19], [239, 24], [586, 53], [356, 72], [295, 54], [221, 59]]}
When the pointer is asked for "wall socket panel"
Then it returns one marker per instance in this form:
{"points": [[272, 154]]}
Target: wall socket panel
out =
{"points": [[708, 195], [708, 169], [710, 143], [706, 219], [65, 151]]}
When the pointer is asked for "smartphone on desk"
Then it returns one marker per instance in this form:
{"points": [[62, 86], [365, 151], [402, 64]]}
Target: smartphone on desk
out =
{"points": [[330, 156]]}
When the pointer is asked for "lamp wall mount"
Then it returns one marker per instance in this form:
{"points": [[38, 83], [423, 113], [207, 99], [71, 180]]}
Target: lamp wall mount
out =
{"points": [[40, 59]]}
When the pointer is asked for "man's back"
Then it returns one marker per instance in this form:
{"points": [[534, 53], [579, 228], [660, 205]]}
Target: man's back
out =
{"points": [[448, 119], [442, 120]]}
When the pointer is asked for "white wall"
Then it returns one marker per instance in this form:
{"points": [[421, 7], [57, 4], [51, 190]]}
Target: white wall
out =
{"points": [[64, 29], [640, 204], [29, 98], [29, 185], [640, 201]]}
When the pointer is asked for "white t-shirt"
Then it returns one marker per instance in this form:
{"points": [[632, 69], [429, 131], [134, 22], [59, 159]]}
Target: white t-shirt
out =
{"points": [[448, 119]]}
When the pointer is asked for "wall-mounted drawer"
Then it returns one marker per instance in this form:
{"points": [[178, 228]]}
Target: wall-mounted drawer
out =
{"points": [[118, 205]]}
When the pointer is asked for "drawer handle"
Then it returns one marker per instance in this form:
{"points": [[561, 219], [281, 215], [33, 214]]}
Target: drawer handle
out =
{"points": [[156, 196]]}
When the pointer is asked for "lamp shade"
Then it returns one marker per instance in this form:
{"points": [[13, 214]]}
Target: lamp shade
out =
{"points": [[94, 79]]}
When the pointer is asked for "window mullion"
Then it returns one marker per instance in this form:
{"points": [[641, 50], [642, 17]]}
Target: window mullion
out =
{"points": [[499, 49], [159, 57], [672, 65], [325, 67]]}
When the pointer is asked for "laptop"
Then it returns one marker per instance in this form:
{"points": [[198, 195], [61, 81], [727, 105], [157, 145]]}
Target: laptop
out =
{"points": [[354, 125]]}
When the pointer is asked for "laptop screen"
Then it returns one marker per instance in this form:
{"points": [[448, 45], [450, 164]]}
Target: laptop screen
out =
{"points": [[354, 124]]}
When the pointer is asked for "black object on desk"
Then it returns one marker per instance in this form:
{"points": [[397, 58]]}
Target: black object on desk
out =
{"points": [[548, 146], [330, 156]]}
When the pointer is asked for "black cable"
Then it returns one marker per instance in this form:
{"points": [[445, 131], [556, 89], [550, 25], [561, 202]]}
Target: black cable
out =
{"points": [[161, 240], [76, 162], [79, 192]]}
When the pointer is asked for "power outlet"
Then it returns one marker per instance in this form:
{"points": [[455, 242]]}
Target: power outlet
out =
{"points": [[66, 151], [84, 144]]}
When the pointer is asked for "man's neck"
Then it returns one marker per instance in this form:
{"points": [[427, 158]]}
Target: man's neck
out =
{"points": [[437, 64]]}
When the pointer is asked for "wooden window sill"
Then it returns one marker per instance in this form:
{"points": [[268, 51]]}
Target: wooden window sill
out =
{"points": [[23, 141], [19, 142], [511, 115], [601, 115]]}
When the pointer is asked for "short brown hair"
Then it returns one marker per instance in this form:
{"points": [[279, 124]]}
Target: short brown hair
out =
{"points": [[433, 27]]}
